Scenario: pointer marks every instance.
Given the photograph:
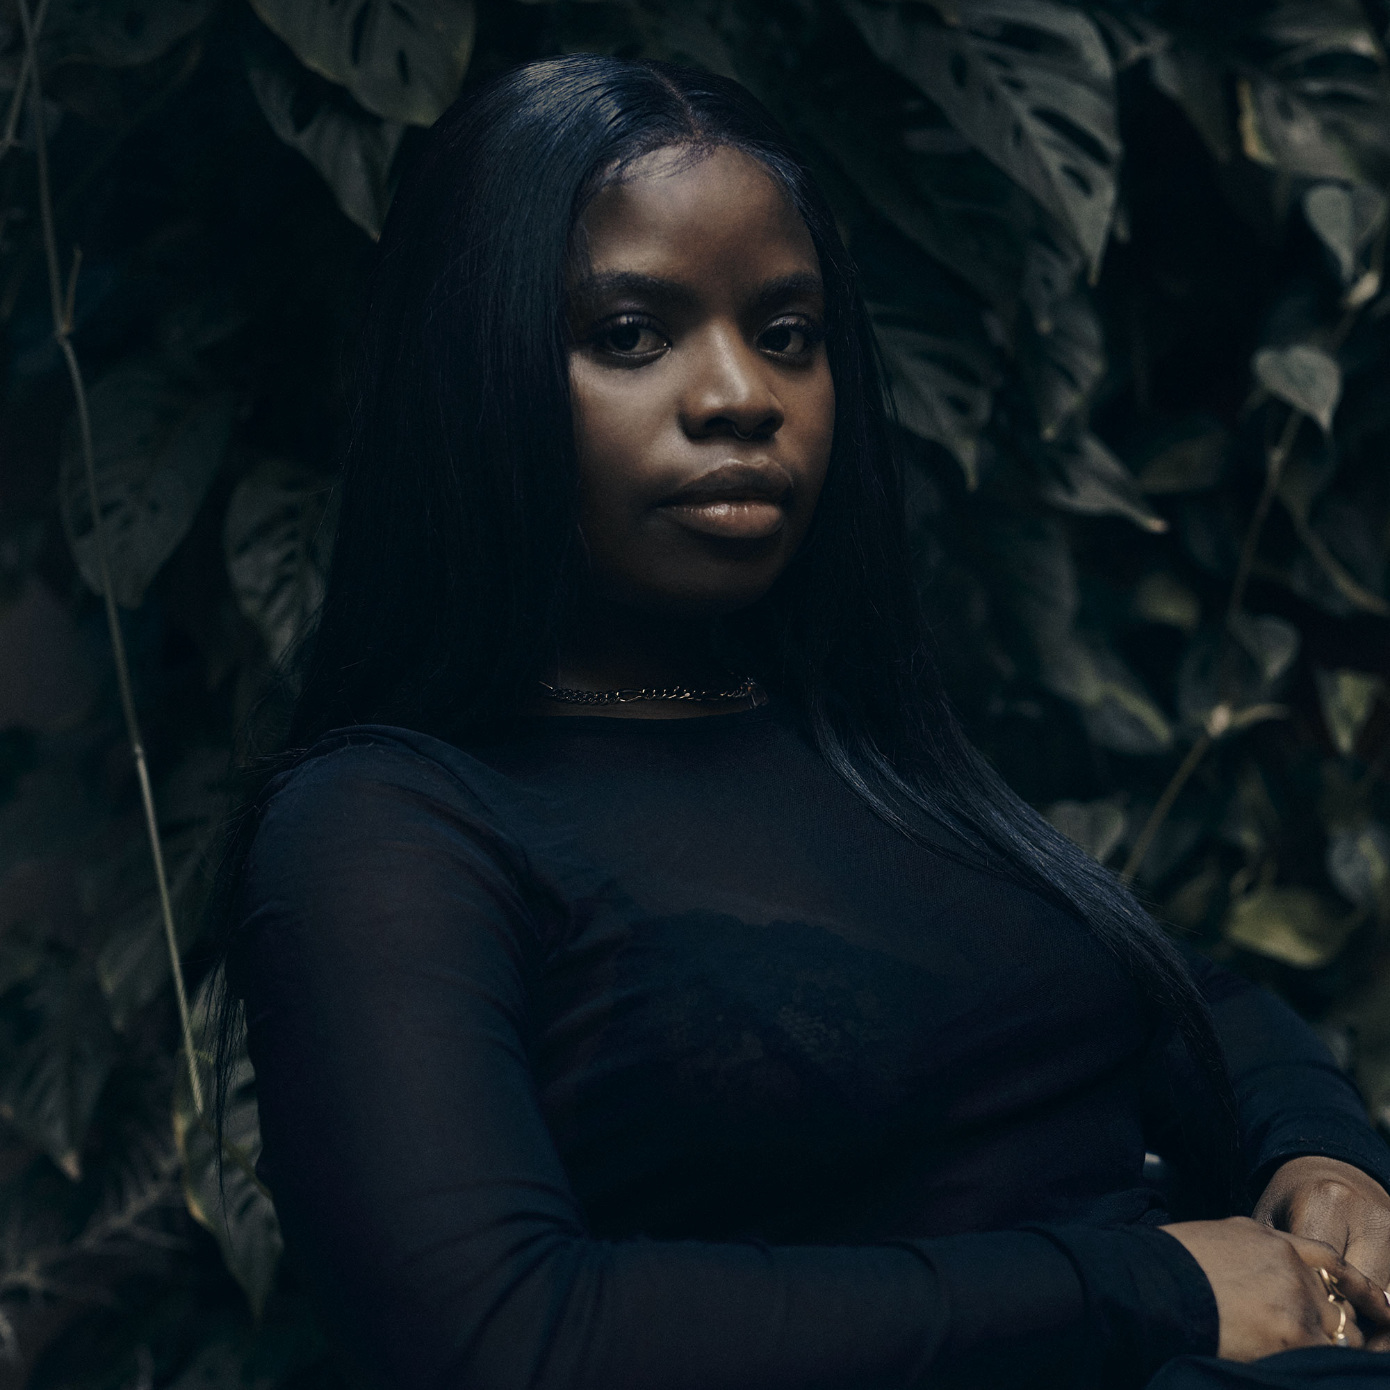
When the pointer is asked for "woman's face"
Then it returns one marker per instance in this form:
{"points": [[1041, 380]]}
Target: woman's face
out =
{"points": [[703, 402]]}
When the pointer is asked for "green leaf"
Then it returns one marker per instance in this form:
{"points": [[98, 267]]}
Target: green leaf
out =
{"points": [[1293, 925], [1348, 700], [403, 60], [1030, 83], [1344, 219], [1196, 82], [1319, 105], [119, 33], [1097, 826], [133, 963], [942, 390], [53, 1074], [1358, 863], [1191, 464], [157, 446], [277, 536], [352, 149], [231, 1204], [931, 187], [1272, 642], [1095, 483], [1118, 712], [1161, 597], [1063, 366], [1308, 378]]}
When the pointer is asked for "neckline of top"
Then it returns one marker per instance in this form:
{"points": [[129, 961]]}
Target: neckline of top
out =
{"points": [[622, 723]]}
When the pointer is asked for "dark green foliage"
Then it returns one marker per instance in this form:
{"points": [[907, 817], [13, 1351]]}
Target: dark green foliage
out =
{"points": [[1126, 262]]}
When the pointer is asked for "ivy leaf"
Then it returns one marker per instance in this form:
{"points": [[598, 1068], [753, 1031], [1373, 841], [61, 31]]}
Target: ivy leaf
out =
{"points": [[403, 60], [1030, 83], [133, 964], [277, 537], [352, 149], [1308, 378], [231, 1202], [1096, 826], [1190, 464], [54, 1071], [1293, 925], [157, 446], [1272, 642], [1348, 699], [1358, 863], [119, 33], [1344, 219], [1160, 597], [1095, 483]]}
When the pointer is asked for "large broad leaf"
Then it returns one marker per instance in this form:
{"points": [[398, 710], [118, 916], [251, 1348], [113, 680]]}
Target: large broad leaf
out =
{"points": [[1030, 82], [53, 1074], [1062, 366], [227, 1198], [277, 537], [1036, 579], [1195, 80], [1092, 481], [929, 184], [157, 445], [133, 964], [119, 33], [942, 390], [1319, 104], [404, 60], [350, 148]]}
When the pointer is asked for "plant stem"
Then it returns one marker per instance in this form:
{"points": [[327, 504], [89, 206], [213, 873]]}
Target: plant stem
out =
{"points": [[1159, 814], [62, 327], [1273, 472]]}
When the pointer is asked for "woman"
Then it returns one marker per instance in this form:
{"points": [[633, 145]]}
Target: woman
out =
{"points": [[647, 985]]}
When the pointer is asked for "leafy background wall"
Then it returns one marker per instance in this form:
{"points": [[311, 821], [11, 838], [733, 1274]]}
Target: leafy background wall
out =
{"points": [[1126, 262]]}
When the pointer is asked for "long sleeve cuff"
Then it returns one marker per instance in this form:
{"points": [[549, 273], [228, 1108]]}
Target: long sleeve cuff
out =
{"points": [[1068, 1305]]}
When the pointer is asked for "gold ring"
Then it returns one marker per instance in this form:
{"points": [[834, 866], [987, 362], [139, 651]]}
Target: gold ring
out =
{"points": [[1329, 1282], [1339, 1337]]}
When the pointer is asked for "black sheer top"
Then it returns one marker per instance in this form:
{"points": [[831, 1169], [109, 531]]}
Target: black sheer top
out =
{"points": [[641, 1055]]}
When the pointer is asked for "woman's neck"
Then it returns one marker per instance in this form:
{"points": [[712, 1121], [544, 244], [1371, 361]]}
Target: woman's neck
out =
{"points": [[612, 647]]}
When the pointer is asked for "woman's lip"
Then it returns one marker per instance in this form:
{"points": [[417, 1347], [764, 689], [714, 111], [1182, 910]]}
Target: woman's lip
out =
{"points": [[731, 518]]}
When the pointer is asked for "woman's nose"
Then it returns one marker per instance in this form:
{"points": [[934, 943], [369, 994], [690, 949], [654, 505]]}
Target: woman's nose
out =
{"points": [[729, 391]]}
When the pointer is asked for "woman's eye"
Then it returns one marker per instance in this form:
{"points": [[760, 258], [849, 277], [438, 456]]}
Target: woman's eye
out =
{"points": [[788, 339], [629, 338]]}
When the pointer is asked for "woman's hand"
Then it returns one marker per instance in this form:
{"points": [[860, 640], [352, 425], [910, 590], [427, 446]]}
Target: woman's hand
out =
{"points": [[1329, 1201], [1269, 1296]]}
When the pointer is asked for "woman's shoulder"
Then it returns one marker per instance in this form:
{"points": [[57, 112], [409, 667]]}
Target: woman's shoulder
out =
{"points": [[375, 781]]}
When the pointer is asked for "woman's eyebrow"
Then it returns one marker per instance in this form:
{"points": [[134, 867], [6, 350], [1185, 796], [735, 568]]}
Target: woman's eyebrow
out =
{"points": [[605, 283], [799, 284]]}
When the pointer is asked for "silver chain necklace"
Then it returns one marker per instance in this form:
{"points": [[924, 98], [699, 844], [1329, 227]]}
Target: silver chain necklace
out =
{"points": [[748, 690]]}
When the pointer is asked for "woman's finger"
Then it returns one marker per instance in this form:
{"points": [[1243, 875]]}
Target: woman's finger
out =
{"points": [[1366, 1297]]}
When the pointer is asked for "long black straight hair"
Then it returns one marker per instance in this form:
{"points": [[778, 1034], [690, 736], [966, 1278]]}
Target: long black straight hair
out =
{"points": [[458, 552]]}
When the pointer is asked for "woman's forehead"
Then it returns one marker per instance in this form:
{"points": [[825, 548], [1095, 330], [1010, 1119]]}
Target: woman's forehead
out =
{"points": [[682, 206]]}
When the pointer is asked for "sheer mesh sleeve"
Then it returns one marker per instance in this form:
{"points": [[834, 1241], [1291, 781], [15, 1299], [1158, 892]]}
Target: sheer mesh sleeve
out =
{"points": [[1293, 1098]]}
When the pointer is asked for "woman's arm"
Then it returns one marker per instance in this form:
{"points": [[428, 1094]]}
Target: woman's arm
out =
{"points": [[389, 962], [1320, 1169]]}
